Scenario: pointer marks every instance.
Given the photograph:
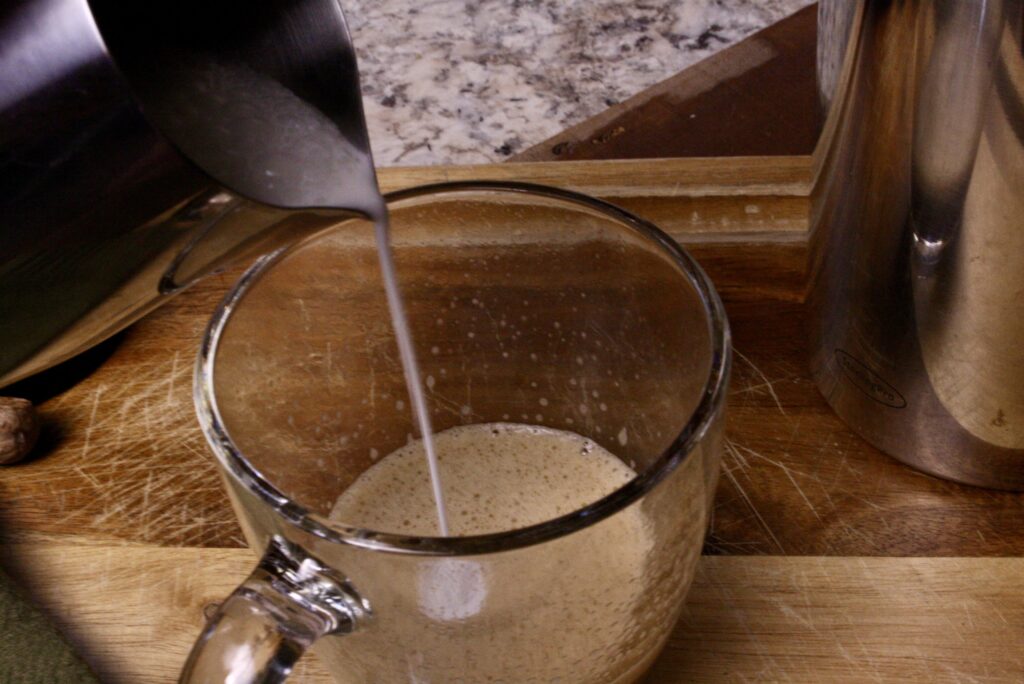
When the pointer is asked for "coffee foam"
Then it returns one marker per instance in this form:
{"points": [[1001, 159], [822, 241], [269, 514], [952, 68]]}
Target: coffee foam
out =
{"points": [[497, 476], [580, 608]]}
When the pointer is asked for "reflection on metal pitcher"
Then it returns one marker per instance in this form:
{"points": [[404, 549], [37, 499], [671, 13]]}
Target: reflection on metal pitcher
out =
{"points": [[917, 247]]}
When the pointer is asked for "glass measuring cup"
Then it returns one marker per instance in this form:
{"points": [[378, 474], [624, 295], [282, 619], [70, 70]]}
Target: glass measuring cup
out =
{"points": [[529, 305]]}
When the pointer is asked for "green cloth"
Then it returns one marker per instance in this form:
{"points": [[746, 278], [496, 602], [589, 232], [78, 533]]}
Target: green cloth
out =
{"points": [[32, 651]]}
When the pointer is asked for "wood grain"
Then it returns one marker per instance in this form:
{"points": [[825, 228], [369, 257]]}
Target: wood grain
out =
{"points": [[692, 177], [133, 612], [123, 459]]}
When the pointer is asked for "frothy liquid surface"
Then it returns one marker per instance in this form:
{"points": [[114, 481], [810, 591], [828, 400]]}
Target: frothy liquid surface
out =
{"points": [[497, 476], [581, 608]]}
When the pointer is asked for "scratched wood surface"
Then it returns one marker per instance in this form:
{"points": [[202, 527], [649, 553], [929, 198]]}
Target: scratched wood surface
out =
{"points": [[133, 611], [123, 459]]}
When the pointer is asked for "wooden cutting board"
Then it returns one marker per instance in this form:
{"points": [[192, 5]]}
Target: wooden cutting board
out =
{"points": [[123, 460], [135, 611], [829, 560]]}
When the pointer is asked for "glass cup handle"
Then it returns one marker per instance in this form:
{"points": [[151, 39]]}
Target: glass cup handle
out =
{"points": [[289, 601]]}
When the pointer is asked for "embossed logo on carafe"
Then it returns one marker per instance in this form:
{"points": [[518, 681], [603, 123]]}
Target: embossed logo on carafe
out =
{"points": [[868, 381]]}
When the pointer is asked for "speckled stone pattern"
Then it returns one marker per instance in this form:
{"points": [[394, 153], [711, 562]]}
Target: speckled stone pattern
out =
{"points": [[474, 81]]}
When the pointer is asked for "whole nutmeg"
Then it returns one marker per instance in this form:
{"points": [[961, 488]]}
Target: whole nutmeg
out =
{"points": [[19, 429]]}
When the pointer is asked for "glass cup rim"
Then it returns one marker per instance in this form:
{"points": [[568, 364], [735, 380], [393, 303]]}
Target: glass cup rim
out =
{"points": [[696, 426]]}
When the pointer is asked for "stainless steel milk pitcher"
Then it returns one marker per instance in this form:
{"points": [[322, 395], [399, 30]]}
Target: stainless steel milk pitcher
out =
{"points": [[121, 125], [916, 291]]}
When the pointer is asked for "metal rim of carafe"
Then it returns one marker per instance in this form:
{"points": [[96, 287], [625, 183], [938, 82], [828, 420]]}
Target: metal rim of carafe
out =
{"points": [[689, 437]]}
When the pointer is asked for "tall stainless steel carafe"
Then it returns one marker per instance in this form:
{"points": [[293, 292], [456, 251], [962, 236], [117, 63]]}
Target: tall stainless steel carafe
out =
{"points": [[121, 125], [916, 294]]}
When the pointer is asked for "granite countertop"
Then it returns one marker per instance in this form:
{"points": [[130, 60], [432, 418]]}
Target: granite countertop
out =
{"points": [[475, 81]]}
